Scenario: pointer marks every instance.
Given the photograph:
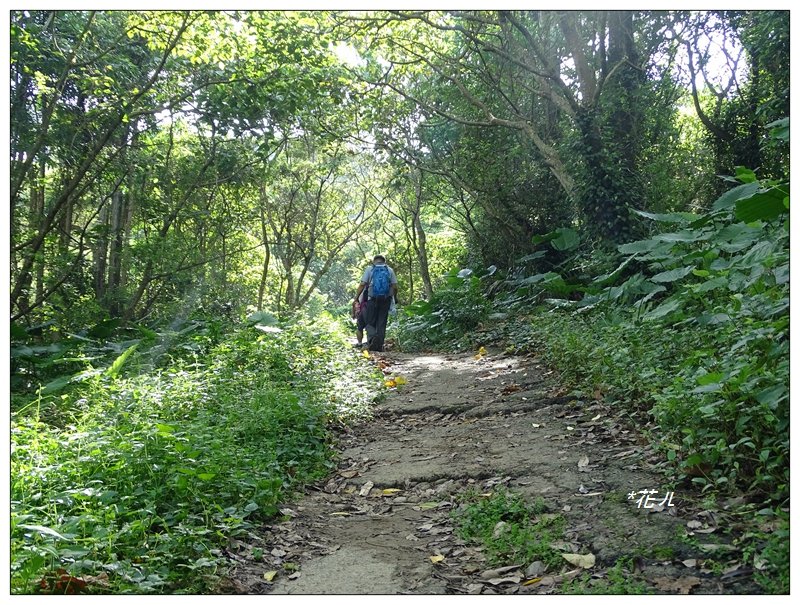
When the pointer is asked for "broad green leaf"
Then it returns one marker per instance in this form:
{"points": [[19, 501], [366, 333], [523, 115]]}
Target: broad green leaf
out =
{"points": [[709, 378], [530, 257], [672, 275], [609, 278], [713, 284], [761, 207], [773, 396], [779, 129], [686, 235], [43, 530], [566, 239], [644, 245], [262, 318], [729, 198], [745, 175], [664, 309], [56, 385], [115, 367], [673, 217]]}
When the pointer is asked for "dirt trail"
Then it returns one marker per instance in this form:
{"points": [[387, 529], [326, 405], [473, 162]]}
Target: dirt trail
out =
{"points": [[462, 422]]}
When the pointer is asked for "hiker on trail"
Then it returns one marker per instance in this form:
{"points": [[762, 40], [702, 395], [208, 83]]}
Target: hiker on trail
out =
{"points": [[359, 313], [381, 284]]}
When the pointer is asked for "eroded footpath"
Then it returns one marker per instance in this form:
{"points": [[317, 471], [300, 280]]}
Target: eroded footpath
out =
{"points": [[382, 524]]}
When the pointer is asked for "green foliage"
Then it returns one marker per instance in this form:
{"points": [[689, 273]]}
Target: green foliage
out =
{"points": [[617, 580], [457, 307], [511, 531], [145, 477]]}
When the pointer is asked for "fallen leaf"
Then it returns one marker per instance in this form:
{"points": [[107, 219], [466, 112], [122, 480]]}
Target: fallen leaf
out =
{"points": [[366, 488], [498, 571], [340, 514], [390, 384], [348, 474], [709, 547], [269, 576], [436, 559], [391, 491], [295, 575], [690, 562], [400, 380], [532, 581], [428, 505], [474, 588], [534, 425], [693, 524], [514, 579], [365, 354], [584, 561], [535, 569], [583, 461], [681, 585]]}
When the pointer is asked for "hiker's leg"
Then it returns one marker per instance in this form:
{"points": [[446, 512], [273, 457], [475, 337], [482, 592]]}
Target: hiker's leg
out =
{"points": [[360, 325], [381, 316], [369, 319]]}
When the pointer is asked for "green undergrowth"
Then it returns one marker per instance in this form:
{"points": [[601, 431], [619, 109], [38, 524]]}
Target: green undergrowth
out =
{"points": [[511, 531], [132, 483]]}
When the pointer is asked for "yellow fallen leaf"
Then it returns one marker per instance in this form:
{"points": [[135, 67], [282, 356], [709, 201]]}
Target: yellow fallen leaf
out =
{"points": [[390, 383], [400, 380], [428, 505], [531, 581], [391, 491], [340, 514], [584, 561], [365, 354], [436, 558], [269, 576]]}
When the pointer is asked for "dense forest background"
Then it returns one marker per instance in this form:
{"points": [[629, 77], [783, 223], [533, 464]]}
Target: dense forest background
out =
{"points": [[174, 174]]}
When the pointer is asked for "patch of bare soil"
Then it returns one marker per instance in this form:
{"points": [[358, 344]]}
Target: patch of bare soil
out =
{"points": [[381, 524]]}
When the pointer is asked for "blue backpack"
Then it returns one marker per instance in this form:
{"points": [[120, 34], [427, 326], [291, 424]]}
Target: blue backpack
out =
{"points": [[380, 281]]}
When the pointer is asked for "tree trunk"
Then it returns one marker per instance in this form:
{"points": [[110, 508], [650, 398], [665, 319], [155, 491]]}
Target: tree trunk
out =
{"points": [[421, 245], [116, 229], [100, 254], [262, 286]]}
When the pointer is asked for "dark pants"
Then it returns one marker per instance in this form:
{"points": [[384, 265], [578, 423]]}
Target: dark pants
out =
{"points": [[377, 314]]}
